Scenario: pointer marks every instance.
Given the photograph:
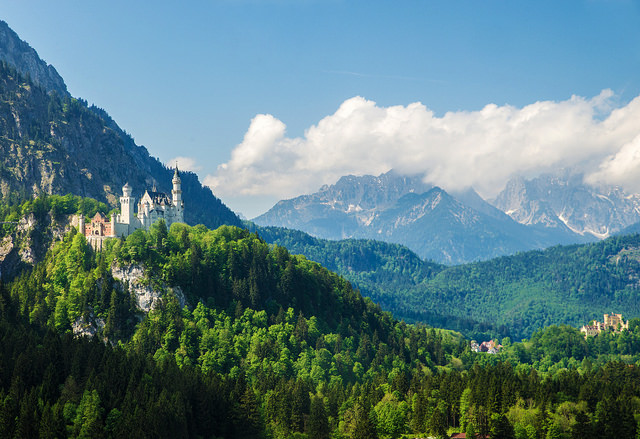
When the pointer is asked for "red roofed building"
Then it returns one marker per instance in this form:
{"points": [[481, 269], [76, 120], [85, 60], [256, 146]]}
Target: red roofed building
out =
{"points": [[99, 226], [464, 436]]}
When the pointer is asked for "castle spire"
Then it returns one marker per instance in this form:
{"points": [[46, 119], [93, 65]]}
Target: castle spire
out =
{"points": [[176, 174], [177, 190]]}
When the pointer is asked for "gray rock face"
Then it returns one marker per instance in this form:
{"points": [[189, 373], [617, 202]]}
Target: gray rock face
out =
{"points": [[436, 225], [341, 210], [555, 201], [17, 52], [60, 145], [29, 241], [147, 298], [87, 327]]}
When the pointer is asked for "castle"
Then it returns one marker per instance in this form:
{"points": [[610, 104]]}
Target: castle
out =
{"points": [[153, 206], [614, 322]]}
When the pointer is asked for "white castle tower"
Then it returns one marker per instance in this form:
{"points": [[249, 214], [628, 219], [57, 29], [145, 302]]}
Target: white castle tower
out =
{"points": [[152, 207], [126, 205], [176, 197], [125, 223]]}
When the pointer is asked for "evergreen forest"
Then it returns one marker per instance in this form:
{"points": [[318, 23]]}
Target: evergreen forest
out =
{"points": [[245, 340], [508, 296]]}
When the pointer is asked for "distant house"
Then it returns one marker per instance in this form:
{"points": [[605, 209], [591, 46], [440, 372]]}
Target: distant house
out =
{"points": [[489, 347], [464, 436], [613, 322]]}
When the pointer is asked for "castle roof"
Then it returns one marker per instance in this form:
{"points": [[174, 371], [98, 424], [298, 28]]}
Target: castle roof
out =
{"points": [[99, 216], [159, 197]]}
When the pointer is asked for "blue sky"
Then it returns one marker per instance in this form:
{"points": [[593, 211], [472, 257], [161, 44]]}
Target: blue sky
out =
{"points": [[191, 79]]}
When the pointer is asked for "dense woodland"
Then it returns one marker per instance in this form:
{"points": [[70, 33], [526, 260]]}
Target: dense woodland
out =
{"points": [[507, 296], [390, 274], [273, 345]]}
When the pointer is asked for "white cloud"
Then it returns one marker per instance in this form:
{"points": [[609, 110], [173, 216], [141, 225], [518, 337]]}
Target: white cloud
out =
{"points": [[482, 148], [185, 164], [621, 168]]}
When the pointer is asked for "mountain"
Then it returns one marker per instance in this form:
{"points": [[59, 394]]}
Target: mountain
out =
{"points": [[341, 210], [404, 210], [53, 143], [26, 60], [562, 200]]}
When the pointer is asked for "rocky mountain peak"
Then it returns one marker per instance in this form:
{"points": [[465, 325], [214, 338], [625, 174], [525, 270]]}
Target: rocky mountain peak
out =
{"points": [[564, 200], [20, 54], [449, 228]]}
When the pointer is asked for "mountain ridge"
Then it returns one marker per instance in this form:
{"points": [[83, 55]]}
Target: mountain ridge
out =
{"points": [[564, 200], [396, 208], [56, 144], [19, 53]]}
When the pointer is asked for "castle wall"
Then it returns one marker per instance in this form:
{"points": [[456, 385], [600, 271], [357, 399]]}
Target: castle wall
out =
{"points": [[151, 208]]}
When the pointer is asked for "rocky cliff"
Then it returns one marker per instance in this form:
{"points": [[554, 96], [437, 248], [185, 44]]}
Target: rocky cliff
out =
{"points": [[53, 143], [565, 201], [26, 60], [29, 239], [447, 228]]}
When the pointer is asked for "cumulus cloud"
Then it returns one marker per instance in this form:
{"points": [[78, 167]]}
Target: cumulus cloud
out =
{"points": [[482, 149], [185, 164], [621, 168]]}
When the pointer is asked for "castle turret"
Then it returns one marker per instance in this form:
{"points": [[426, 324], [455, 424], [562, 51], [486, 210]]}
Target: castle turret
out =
{"points": [[176, 196], [81, 226], [113, 225], [127, 203], [177, 191]]}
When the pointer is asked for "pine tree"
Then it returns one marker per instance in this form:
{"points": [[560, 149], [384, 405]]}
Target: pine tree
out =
{"points": [[248, 421], [318, 424], [501, 428], [88, 422]]}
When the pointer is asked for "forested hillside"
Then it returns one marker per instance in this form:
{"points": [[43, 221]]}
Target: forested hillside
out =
{"points": [[29, 229], [571, 285], [390, 274], [285, 322], [513, 295], [273, 345]]}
